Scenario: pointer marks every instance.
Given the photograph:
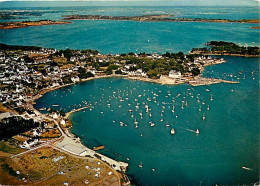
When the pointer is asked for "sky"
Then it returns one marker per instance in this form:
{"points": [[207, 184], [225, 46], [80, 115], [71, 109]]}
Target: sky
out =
{"points": [[173, 2]]}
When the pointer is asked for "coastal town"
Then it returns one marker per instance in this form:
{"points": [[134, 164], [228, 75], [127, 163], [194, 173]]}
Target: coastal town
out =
{"points": [[29, 72]]}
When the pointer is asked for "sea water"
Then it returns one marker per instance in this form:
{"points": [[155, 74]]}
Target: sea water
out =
{"points": [[108, 36], [229, 135]]}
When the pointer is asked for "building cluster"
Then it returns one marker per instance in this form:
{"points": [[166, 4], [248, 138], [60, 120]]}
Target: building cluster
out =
{"points": [[24, 74]]}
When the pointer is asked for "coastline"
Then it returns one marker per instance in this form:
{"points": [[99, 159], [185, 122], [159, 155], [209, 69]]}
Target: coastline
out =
{"points": [[225, 54], [16, 25]]}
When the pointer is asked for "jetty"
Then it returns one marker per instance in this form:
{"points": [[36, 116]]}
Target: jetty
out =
{"points": [[199, 81], [76, 110]]}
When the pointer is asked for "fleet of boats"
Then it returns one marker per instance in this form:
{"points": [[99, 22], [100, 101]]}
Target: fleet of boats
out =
{"points": [[136, 107]]}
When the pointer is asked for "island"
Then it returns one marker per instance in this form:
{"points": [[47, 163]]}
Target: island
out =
{"points": [[22, 24], [38, 146], [255, 27], [155, 18], [227, 48]]}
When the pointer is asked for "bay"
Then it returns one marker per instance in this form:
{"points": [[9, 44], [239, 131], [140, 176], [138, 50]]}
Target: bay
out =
{"points": [[228, 139]]}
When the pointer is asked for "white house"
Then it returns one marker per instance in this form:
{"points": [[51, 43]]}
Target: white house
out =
{"points": [[55, 116], [174, 74], [63, 122], [75, 79]]}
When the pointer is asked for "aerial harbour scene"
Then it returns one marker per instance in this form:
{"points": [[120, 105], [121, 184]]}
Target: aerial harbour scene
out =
{"points": [[129, 92]]}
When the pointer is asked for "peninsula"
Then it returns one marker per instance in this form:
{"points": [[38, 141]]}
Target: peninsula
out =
{"points": [[227, 48], [22, 24], [155, 18]]}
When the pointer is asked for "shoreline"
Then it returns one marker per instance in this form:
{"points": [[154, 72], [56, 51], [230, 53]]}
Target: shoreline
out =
{"points": [[234, 55], [16, 25]]}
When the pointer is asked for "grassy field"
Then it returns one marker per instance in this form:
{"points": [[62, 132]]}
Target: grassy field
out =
{"points": [[7, 148], [48, 166]]}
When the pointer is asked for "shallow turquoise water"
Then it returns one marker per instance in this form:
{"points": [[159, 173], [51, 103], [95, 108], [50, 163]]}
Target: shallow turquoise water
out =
{"points": [[228, 139]]}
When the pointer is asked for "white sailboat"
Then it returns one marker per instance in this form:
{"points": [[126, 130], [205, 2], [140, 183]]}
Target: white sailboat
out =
{"points": [[136, 123], [172, 131], [173, 109], [197, 131]]}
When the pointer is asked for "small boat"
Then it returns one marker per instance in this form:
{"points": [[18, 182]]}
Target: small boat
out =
{"points": [[172, 131], [141, 165], [186, 104], [203, 117], [150, 114], [197, 131], [55, 105], [43, 108], [208, 107], [200, 109], [211, 98], [162, 120], [207, 90], [173, 109], [167, 125], [152, 124], [153, 170], [121, 123], [246, 168]]}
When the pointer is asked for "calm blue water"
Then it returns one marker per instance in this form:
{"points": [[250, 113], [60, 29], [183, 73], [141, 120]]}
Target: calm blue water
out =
{"points": [[228, 139], [125, 36], [229, 136]]}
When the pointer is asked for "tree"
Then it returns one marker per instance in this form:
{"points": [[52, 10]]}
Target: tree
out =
{"points": [[119, 72], [152, 74], [53, 63], [62, 113], [195, 71], [111, 68]]}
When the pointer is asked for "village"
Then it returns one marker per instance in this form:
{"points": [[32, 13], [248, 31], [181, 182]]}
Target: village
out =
{"points": [[25, 74]]}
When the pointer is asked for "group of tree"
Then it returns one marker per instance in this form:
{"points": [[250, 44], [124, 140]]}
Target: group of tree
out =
{"points": [[232, 48], [15, 125], [83, 74]]}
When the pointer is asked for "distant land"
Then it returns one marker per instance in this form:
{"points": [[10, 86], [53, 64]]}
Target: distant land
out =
{"points": [[155, 18], [255, 27], [13, 25], [143, 18]]}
